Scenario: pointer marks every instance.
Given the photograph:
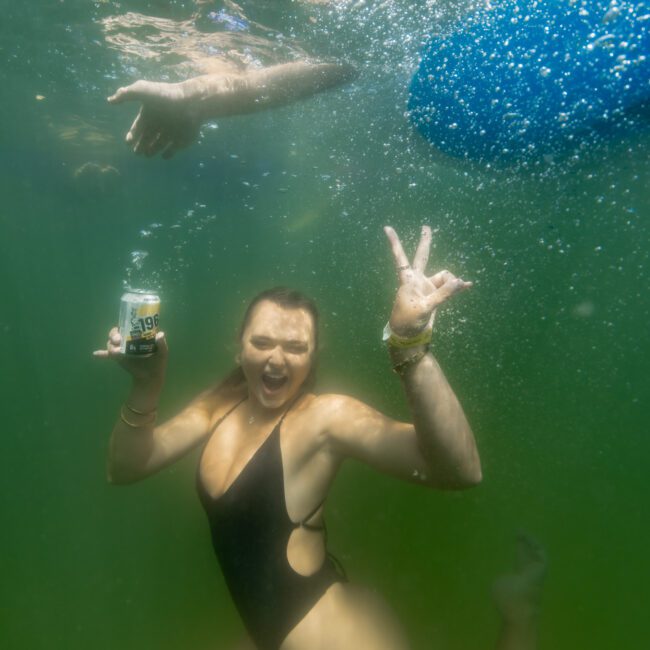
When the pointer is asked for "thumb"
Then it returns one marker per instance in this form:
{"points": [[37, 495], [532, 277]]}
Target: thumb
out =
{"points": [[138, 91]]}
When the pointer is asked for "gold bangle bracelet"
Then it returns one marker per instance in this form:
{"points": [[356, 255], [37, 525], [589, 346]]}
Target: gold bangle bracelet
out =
{"points": [[133, 425], [130, 408]]}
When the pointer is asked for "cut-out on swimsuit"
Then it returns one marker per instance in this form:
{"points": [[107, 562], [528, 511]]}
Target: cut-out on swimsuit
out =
{"points": [[250, 529]]}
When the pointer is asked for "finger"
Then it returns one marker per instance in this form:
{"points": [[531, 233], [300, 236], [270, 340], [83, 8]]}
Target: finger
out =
{"points": [[137, 147], [448, 289], [401, 261], [136, 128], [100, 353], [422, 253], [181, 142], [144, 142], [161, 145], [175, 147], [432, 319], [169, 151], [139, 91], [156, 145], [440, 278]]}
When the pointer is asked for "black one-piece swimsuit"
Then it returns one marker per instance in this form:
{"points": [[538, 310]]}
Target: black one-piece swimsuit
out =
{"points": [[250, 529]]}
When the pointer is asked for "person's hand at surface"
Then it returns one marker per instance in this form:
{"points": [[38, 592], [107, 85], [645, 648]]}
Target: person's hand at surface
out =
{"points": [[165, 123], [172, 113], [418, 295], [143, 368]]}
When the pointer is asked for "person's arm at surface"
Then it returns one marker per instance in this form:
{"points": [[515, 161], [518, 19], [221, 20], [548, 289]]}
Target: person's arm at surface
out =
{"points": [[439, 447], [172, 113], [138, 447], [215, 96]]}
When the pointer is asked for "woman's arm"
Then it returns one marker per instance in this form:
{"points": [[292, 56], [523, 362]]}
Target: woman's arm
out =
{"points": [[445, 438], [140, 448], [172, 113], [137, 447], [439, 447]]}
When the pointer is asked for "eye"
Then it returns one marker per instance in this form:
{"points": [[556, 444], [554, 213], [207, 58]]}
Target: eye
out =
{"points": [[262, 344], [296, 348]]}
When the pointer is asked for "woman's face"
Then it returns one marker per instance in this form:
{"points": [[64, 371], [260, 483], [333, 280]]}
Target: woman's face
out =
{"points": [[277, 353]]}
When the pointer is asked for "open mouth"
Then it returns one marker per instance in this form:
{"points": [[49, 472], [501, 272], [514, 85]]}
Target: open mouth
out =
{"points": [[274, 382]]}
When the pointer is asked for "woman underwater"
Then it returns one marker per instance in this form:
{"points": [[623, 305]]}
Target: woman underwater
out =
{"points": [[272, 449]]}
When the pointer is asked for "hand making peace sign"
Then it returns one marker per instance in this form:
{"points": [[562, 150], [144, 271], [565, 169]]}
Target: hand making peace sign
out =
{"points": [[418, 295]]}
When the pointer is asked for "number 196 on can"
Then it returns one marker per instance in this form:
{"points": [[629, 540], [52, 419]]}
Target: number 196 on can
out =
{"points": [[138, 325]]}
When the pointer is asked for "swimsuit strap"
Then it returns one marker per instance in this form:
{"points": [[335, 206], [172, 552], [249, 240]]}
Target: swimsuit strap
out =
{"points": [[243, 399], [227, 413], [304, 523], [335, 561], [284, 415]]}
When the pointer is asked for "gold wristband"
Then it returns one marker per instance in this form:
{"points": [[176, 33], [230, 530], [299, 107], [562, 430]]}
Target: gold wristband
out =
{"points": [[133, 425]]}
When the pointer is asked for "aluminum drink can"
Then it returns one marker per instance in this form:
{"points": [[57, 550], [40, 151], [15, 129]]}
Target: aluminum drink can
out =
{"points": [[138, 325]]}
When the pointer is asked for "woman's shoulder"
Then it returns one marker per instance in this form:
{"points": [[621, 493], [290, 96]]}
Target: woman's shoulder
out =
{"points": [[221, 396], [312, 401], [322, 409]]}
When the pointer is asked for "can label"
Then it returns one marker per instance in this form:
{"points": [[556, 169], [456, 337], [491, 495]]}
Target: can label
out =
{"points": [[139, 314]]}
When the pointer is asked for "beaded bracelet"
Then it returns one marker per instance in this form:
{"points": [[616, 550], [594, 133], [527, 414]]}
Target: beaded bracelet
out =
{"points": [[401, 367]]}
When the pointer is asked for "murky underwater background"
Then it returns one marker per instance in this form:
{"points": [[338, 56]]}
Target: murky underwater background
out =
{"points": [[548, 352]]}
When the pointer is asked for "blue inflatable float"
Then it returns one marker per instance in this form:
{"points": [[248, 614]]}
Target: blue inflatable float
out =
{"points": [[524, 78]]}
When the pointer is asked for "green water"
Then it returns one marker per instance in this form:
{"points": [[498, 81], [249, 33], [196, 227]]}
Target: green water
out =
{"points": [[548, 352]]}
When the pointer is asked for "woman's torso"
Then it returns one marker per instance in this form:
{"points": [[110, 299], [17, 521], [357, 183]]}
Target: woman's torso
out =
{"points": [[254, 491], [341, 616], [308, 467]]}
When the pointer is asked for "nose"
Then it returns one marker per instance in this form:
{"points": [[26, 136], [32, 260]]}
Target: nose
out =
{"points": [[276, 357]]}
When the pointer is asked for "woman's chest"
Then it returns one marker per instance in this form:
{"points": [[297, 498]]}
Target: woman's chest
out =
{"points": [[242, 456]]}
